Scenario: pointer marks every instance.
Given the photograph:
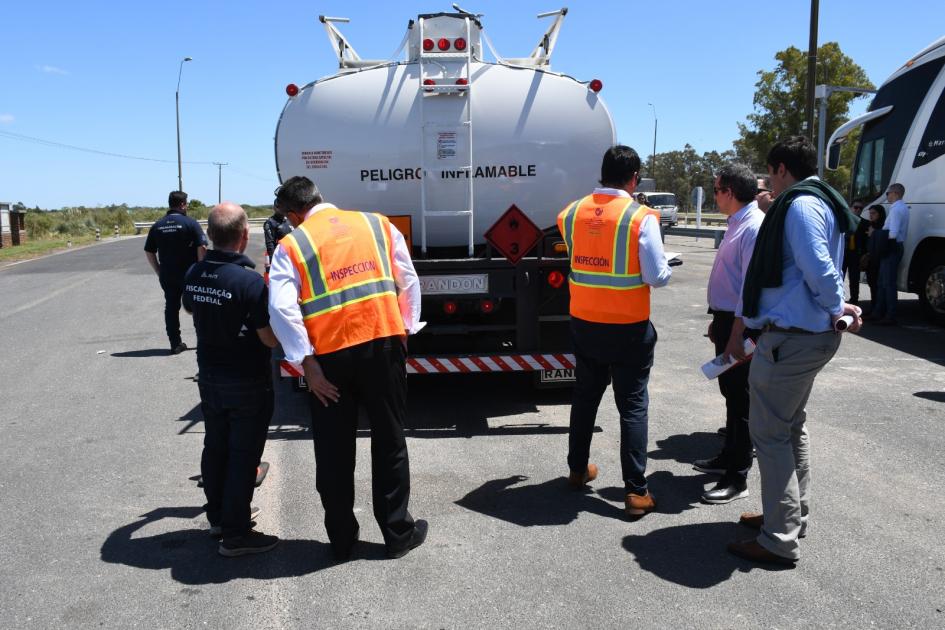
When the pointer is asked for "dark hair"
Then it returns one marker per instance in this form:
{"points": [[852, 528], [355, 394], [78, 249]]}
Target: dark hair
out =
{"points": [[297, 194], [740, 180], [176, 199], [225, 227], [899, 189], [621, 164], [797, 154], [881, 211]]}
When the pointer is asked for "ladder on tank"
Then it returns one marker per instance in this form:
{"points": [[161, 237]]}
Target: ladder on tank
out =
{"points": [[458, 87]]}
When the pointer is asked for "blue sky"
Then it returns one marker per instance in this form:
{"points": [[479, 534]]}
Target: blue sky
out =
{"points": [[102, 75]]}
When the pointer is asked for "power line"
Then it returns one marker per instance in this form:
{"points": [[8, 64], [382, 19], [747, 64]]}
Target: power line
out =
{"points": [[62, 145]]}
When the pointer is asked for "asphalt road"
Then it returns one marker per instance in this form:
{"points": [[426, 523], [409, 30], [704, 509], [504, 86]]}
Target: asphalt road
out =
{"points": [[102, 525]]}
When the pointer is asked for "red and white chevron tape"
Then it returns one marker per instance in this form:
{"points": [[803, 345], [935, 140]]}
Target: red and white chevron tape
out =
{"points": [[489, 363]]}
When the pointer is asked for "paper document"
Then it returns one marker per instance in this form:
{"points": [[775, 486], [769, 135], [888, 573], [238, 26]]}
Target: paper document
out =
{"points": [[716, 366]]}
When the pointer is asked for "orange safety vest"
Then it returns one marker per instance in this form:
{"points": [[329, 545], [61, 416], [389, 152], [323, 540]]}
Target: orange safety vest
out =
{"points": [[602, 233], [345, 260]]}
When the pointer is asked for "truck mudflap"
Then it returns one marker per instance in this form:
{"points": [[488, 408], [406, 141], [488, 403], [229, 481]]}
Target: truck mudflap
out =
{"points": [[551, 367]]}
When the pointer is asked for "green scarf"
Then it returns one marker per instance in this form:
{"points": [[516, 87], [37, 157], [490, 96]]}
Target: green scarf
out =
{"points": [[765, 268]]}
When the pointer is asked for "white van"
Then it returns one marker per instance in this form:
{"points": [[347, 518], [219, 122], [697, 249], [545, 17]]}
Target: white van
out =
{"points": [[903, 141], [666, 203]]}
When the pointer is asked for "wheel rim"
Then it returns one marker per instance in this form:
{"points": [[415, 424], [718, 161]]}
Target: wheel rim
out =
{"points": [[935, 289]]}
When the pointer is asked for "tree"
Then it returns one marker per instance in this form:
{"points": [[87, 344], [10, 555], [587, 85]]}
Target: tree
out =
{"points": [[779, 105], [679, 172]]}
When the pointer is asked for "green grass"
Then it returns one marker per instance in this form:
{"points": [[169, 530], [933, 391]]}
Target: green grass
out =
{"points": [[41, 247]]}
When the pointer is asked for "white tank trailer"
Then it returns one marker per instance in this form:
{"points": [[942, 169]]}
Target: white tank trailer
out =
{"points": [[444, 136], [452, 142]]}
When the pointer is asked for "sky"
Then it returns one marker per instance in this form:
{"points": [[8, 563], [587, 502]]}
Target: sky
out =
{"points": [[102, 76]]}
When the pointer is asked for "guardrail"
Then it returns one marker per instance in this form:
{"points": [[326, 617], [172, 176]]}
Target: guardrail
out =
{"points": [[146, 225], [714, 233]]}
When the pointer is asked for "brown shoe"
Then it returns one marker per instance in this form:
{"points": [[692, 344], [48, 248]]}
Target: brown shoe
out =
{"points": [[579, 480], [754, 520], [751, 550], [637, 506]]}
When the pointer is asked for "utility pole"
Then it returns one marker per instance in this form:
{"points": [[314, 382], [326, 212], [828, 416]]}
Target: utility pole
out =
{"points": [[655, 125], [180, 177], [812, 66], [220, 166]]}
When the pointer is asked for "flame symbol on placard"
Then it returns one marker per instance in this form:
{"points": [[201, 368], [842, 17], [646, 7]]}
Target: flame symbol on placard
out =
{"points": [[599, 211]]}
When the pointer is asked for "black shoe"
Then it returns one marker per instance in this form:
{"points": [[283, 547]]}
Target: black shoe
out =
{"points": [[726, 491], [180, 347], [715, 466], [216, 531], [250, 542], [420, 529], [344, 552], [722, 431]]}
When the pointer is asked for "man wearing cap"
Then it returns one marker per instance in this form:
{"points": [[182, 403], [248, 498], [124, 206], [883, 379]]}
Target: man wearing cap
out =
{"points": [[344, 295]]}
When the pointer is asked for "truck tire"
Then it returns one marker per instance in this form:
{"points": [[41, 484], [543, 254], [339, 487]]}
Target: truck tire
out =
{"points": [[932, 288]]}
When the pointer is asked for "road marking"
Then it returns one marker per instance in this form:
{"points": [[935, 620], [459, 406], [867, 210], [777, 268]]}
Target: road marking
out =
{"points": [[24, 307]]}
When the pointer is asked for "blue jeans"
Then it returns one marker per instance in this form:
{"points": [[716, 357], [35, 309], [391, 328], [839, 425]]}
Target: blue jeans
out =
{"points": [[236, 418], [622, 353], [888, 298]]}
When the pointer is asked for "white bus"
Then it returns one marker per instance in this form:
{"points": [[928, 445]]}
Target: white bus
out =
{"points": [[903, 140]]}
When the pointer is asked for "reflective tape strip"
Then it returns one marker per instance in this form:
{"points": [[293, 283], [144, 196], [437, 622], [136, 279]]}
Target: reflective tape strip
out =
{"points": [[348, 295], [568, 224], [287, 369], [622, 240], [606, 281], [307, 248], [380, 241], [494, 363]]}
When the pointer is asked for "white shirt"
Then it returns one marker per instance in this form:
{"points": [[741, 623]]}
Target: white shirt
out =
{"points": [[285, 315], [898, 221], [654, 270]]}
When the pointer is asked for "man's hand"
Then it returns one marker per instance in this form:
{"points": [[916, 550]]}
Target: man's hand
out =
{"points": [[708, 333], [735, 348], [855, 312], [323, 389]]}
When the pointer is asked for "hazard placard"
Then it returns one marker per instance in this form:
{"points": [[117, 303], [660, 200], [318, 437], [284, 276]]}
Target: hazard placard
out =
{"points": [[514, 234]]}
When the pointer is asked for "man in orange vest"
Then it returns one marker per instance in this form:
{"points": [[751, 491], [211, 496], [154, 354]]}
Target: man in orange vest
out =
{"points": [[616, 256], [343, 297]]}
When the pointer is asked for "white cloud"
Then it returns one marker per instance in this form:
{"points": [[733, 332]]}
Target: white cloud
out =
{"points": [[6, 119], [51, 69]]}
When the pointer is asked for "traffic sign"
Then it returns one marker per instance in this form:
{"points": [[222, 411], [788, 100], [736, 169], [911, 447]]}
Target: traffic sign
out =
{"points": [[514, 234]]}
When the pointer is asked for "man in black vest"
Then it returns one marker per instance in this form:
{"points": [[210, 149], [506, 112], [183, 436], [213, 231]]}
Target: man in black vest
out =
{"points": [[175, 242], [229, 303]]}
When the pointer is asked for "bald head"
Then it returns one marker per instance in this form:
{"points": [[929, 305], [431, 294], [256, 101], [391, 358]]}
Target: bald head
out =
{"points": [[227, 227]]}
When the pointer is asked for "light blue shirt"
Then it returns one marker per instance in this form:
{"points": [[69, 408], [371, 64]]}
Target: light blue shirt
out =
{"points": [[898, 221], [811, 283], [731, 261], [654, 269]]}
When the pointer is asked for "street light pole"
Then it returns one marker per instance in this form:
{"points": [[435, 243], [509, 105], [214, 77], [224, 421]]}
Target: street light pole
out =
{"points": [[655, 126], [180, 69], [220, 166], [812, 66]]}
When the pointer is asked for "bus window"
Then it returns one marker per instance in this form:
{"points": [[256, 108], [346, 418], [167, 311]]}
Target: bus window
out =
{"points": [[933, 140], [876, 184], [864, 169]]}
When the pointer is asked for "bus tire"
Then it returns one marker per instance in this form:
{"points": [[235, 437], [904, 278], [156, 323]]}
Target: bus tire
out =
{"points": [[932, 288]]}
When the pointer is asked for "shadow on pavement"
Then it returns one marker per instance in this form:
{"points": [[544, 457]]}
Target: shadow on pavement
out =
{"points": [[140, 354], [673, 494], [545, 504], [192, 557], [692, 555], [687, 448], [914, 334], [933, 396]]}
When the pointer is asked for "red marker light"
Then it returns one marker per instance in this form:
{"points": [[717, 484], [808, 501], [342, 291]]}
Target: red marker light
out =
{"points": [[428, 44], [462, 82], [443, 44], [556, 279], [459, 43], [429, 82], [596, 85], [486, 306], [450, 307], [292, 89]]}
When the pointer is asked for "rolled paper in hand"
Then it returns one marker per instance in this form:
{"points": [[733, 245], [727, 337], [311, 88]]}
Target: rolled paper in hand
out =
{"points": [[843, 323]]}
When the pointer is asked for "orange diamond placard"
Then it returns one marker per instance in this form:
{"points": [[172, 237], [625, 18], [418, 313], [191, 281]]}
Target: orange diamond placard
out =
{"points": [[514, 234]]}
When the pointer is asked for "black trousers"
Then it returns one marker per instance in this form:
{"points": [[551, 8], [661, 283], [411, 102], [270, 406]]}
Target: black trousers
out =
{"points": [[734, 387], [851, 264], [236, 419], [624, 353], [372, 376], [173, 291]]}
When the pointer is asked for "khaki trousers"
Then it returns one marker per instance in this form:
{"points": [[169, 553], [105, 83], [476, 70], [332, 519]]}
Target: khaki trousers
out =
{"points": [[782, 375]]}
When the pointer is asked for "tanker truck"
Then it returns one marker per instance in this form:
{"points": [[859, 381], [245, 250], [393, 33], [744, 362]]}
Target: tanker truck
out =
{"points": [[472, 160]]}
